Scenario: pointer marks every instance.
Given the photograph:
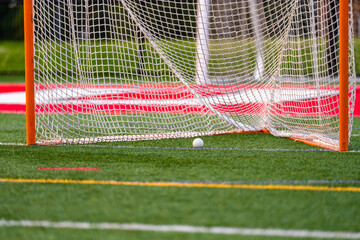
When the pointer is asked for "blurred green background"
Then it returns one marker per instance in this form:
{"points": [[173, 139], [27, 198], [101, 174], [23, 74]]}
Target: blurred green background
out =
{"points": [[12, 37], [12, 59]]}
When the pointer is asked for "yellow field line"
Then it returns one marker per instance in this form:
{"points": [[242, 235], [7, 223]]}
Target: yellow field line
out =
{"points": [[189, 185]]}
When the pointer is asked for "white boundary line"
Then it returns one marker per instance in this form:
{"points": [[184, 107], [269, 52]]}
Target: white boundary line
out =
{"points": [[12, 144], [182, 229]]}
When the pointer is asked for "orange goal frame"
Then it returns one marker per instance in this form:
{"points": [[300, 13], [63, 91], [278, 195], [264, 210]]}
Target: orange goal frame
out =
{"points": [[343, 74], [29, 72]]}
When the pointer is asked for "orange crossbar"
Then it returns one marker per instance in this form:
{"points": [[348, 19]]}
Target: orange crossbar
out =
{"points": [[29, 72], [344, 76]]}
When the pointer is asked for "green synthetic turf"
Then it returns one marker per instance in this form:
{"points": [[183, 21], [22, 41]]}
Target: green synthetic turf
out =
{"points": [[179, 164], [283, 209], [46, 234], [169, 206]]}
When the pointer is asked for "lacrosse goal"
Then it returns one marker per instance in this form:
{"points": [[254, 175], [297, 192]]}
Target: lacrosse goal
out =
{"points": [[126, 70]]}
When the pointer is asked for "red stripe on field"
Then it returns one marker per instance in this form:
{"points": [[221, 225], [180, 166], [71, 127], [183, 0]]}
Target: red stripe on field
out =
{"points": [[12, 108], [70, 169], [12, 87], [357, 103], [307, 107]]}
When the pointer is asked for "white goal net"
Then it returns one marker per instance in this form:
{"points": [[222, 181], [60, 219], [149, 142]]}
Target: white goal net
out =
{"points": [[123, 70]]}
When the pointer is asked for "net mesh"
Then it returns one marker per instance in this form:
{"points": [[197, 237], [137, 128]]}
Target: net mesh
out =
{"points": [[123, 70]]}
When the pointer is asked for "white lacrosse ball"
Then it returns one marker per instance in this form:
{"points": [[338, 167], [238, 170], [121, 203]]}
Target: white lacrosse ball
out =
{"points": [[198, 143]]}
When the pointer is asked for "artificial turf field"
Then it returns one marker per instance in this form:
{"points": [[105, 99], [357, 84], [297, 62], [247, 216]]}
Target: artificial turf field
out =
{"points": [[253, 181], [244, 181]]}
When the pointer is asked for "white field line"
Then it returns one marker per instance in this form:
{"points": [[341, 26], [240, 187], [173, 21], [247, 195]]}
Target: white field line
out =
{"points": [[12, 144], [183, 229]]}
